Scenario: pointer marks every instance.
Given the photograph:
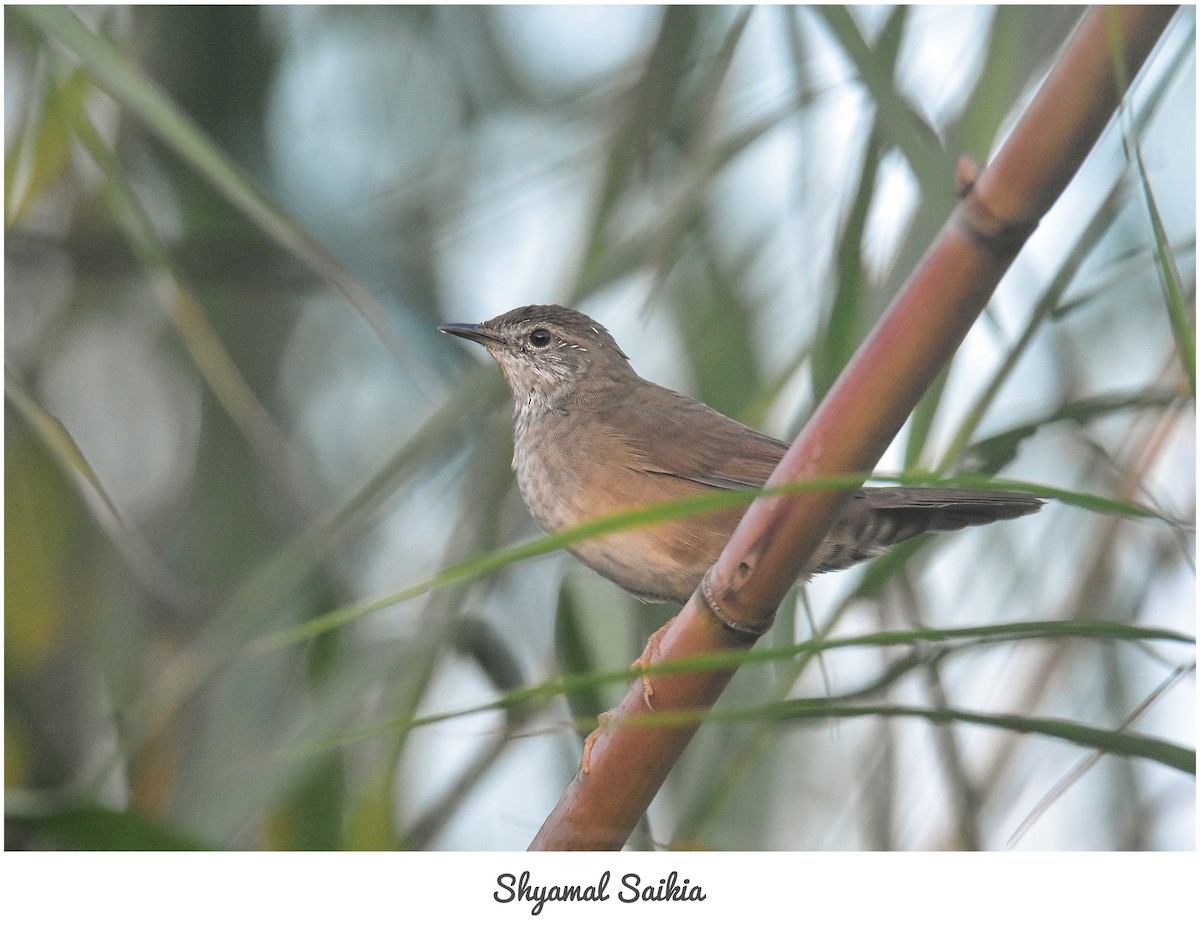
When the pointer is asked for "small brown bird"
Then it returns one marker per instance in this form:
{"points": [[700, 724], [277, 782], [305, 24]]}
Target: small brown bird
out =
{"points": [[591, 438]]}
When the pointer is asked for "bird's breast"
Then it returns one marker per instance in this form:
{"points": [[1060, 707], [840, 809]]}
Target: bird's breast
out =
{"points": [[571, 469], [560, 467]]}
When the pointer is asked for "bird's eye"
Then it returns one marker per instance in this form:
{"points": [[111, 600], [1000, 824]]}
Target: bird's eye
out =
{"points": [[539, 337]]}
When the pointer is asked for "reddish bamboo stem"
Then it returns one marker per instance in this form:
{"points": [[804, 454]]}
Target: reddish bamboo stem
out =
{"points": [[856, 422]]}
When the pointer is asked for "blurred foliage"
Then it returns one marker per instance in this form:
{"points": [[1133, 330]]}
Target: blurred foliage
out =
{"points": [[236, 449]]}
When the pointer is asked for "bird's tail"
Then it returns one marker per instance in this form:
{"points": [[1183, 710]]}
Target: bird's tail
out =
{"points": [[878, 517]]}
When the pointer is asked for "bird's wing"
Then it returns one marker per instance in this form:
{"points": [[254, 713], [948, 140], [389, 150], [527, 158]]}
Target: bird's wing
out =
{"points": [[682, 437]]}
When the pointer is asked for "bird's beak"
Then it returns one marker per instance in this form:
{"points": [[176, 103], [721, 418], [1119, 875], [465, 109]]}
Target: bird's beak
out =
{"points": [[476, 333]]}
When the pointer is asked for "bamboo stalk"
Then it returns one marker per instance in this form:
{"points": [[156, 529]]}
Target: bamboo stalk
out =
{"points": [[858, 419]]}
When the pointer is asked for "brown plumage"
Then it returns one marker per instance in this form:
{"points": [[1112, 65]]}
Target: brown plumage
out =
{"points": [[591, 437]]}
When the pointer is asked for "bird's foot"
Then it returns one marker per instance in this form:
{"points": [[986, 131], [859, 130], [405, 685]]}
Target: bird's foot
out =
{"points": [[650, 655], [602, 722]]}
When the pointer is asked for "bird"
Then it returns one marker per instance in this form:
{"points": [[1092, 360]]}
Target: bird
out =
{"points": [[592, 438]]}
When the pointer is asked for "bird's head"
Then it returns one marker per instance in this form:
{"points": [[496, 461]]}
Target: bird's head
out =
{"points": [[548, 353]]}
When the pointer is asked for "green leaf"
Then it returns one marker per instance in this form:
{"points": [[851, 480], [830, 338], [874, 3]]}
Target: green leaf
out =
{"points": [[40, 153], [640, 516], [111, 69], [1119, 743], [88, 827], [899, 123], [983, 634], [575, 656]]}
